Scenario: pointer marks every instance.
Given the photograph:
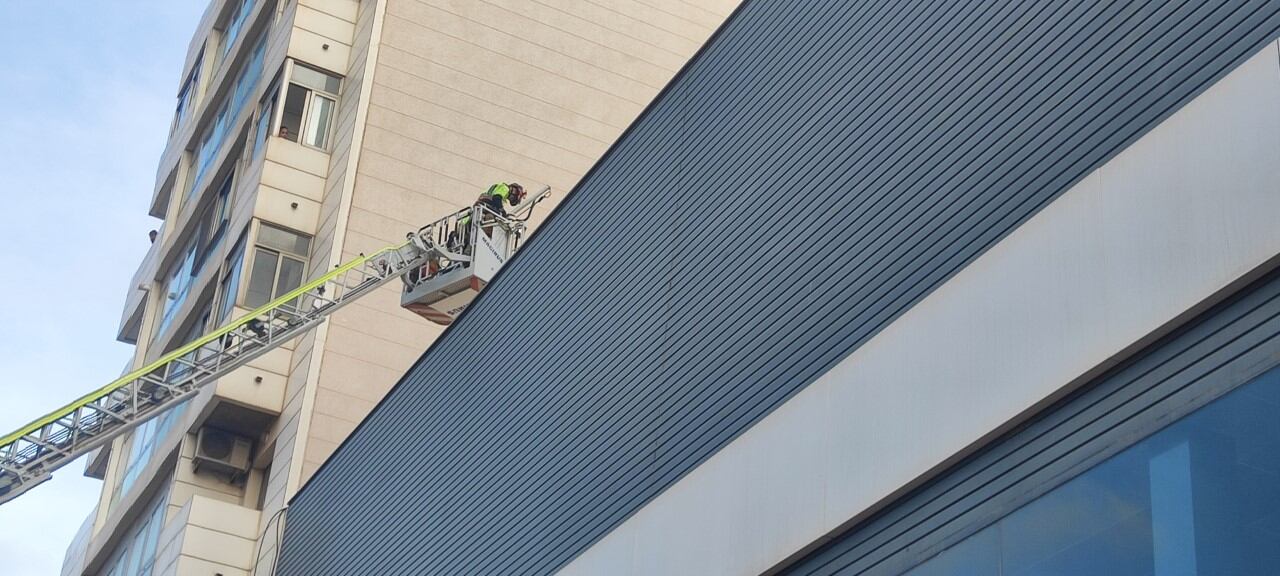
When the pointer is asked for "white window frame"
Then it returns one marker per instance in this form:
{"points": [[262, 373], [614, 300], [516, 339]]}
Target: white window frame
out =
{"points": [[251, 256], [282, 94]]}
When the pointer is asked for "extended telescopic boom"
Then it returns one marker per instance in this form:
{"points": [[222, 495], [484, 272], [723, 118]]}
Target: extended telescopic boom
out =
{"points": [[29, 455]]}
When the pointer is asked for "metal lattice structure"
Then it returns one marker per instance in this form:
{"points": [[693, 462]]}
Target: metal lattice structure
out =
{"points": [[29, 456]]}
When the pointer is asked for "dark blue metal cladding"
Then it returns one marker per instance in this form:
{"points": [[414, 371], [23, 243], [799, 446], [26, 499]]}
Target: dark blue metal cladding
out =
{"points": [[814, 172]]}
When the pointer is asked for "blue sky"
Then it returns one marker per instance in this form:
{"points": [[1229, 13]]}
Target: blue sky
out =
{"points": [[86, 96]]}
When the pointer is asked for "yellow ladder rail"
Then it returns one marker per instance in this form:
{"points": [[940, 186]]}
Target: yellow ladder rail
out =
{"points": [[29, 454]]}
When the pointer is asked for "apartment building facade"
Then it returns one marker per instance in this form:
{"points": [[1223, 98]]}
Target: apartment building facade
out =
{"points": [[307, 132], [926, 288]]}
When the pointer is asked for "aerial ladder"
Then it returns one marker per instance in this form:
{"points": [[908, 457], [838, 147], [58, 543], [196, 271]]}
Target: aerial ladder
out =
{"points": [[443, 266]]}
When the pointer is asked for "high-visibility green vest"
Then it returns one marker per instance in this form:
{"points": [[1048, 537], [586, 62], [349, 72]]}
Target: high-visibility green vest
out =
{"points": [[501, 190]]}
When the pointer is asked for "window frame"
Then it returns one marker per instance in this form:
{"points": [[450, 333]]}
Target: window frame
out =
{"points": [[150, 533], [238, 14], [267, 110], [251, 258], [176, 278], [210, 141], [136, 552], [213, 220], [280, 95], [220, 210], [232, 267], [307, 112], [189, 90], [203, 152]]}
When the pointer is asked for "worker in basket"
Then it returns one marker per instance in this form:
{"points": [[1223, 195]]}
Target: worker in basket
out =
{"points": [[494, 199], [496, 195]]}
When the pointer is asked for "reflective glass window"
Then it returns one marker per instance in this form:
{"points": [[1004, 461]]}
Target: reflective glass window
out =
{"points": [[230, 285], [261, 278], [279, 264], [318, 118], [310, 103], [284, 240], [1201, 496], [295, 103], [315, 79]]}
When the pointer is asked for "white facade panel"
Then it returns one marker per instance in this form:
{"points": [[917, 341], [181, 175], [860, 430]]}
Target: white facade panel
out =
{"points": [[1174, 220]]}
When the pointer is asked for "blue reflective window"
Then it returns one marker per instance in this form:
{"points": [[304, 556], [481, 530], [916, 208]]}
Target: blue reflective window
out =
{"points": [[229, 110], [977, 555], [186, 98], [1201, 496], [249, 77], [210, 143], [235, 22], [178, 286], [142, 445], [230, 285], [135, 555]]}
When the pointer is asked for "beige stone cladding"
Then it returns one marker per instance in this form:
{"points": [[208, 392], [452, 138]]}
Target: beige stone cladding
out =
{"points": [[466, 93]]}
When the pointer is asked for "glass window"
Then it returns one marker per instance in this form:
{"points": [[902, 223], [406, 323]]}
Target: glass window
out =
{"points": [[117, 567], [315, 79], [189, 188], [279, 263], [1201, 496], [178, 286], [213, 222], [210, 143], [291, 270], [284, 240], [136, 553], [249, 77], [168, 419], [261, 278], [265, 110], [295, 102], [221, 212], [186, 97], [262, 488], [150, 537], [230, 281], [235, 22], [197, 329], [318, 117], [141, 443], [309, 104], [229, 109]]}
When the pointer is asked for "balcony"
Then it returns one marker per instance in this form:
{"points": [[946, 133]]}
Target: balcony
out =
{"points": [[135, 301]]}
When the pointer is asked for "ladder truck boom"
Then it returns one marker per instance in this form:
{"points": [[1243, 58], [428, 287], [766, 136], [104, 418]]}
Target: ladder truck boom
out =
{"points": [[458, 249]]}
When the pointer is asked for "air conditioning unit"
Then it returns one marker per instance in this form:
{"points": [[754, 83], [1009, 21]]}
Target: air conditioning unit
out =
{"points": [[222, 452]]}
